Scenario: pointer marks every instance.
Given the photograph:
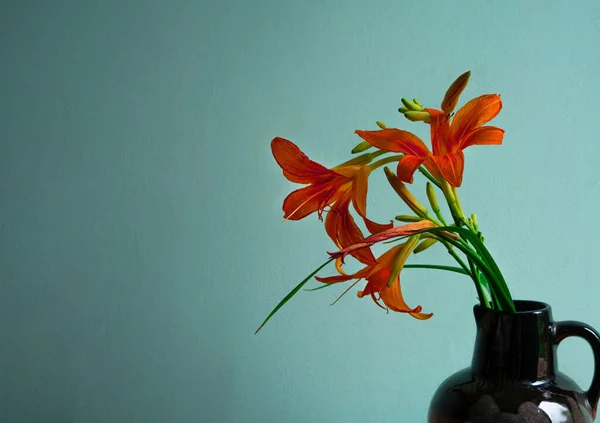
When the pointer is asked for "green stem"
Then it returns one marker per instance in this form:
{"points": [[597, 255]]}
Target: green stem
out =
{"points": [[430, 177], [475, 276], [439, 215], [466, 269], [496, 281]]}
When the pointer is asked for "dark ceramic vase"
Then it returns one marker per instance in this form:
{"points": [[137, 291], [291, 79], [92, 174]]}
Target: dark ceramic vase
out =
{"points": [[513, 377]]}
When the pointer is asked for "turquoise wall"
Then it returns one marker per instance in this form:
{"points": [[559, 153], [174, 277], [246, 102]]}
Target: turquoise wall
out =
{"points": [[140, 214]]}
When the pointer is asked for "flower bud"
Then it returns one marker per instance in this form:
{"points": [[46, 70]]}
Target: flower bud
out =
{"points": [[425, 244], [412, 106], [401, 257], [363, 146], [418, 116], [381, 125], [475, 223], [405, 194], [457, 87], [432, 198], [408, 218]]}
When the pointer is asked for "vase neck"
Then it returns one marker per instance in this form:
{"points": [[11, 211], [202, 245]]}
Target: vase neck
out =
{"points": [[514, 347]]}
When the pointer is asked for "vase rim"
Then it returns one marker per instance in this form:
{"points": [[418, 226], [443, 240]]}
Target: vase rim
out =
{"points": [[524, 307]]}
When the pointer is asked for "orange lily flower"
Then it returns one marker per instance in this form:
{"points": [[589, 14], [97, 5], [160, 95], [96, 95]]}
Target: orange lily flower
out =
{"points": [[377, 276], [448, 138], [335, 188]]}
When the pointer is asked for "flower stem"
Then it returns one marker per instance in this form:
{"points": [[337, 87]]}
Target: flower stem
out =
{"points": [[456, 257], [430, 177]]}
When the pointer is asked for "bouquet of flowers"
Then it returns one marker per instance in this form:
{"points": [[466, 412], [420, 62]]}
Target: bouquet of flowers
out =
{"points": [[333, 191]]}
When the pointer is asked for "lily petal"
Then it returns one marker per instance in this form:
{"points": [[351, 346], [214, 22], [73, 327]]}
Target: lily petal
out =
{"points": [[474, 114], [441, 142], [342, 229], [395, 140], [486, 135], [374, 227], [360, 185], [451, 167], [335, 279], [407, 166], [393, 299], [304, 201], [296, 165]]}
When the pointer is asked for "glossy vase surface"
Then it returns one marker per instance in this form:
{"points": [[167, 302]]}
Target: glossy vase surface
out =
{"points": [[514, 377]]}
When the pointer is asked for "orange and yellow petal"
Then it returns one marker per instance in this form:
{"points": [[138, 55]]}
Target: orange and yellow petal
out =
{"points": [[395, 140], [474, 114], [374, 227], [342, 229], [360, 185], [393, 299], [451, 167], [296, 165], [441, 141], [407, 166], [307, 200], [486, 135]]}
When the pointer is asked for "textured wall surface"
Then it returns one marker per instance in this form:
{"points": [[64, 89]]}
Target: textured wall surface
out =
{"points": [[141, 241]]}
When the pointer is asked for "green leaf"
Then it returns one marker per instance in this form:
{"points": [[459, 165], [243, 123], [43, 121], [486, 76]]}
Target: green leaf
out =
{"points": [[292, 293], [325, 285], [437, 267]]}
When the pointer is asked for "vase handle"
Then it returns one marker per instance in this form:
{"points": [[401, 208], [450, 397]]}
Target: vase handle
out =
{"points": [[568, 328]]}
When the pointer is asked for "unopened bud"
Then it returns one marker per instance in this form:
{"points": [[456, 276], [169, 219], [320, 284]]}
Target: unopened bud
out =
{"points": [[474, 219], [425, 244], [418, 116], [381, 125], [363, 146], [412, 106], [401, 257], [408, 218], [457, 87], [405, 194], [432, 198]]}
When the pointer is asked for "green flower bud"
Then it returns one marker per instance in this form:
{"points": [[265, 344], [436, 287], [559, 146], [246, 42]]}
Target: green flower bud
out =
{"points": [[418, 116], [408, 218], [432, 198], [425, 244], [363, 146], [405, 194], [475, 223], [381, 125], [412, 106]]}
